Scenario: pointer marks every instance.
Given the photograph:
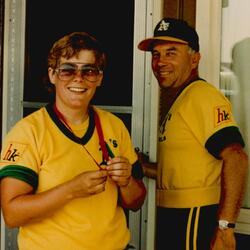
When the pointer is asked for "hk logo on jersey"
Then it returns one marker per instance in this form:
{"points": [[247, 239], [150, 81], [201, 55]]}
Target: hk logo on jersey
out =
{"points": [[14, 151], [222, 115]]}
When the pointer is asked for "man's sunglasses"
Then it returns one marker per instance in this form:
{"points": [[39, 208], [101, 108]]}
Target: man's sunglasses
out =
{"points": [[67, 71]]}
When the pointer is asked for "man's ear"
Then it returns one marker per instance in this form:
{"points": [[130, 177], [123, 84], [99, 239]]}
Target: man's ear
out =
{"points": [[195, 59], [51, 73]]}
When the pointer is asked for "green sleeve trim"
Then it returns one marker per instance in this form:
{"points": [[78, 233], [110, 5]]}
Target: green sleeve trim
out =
{"points": [[222, 138], [21, 173]]}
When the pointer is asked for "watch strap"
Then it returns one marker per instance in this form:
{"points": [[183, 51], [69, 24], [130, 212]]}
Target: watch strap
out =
{"points": [[231, 225]]}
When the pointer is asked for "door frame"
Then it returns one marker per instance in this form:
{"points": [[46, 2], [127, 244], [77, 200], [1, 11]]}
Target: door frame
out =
{"points": [[150, 104]]}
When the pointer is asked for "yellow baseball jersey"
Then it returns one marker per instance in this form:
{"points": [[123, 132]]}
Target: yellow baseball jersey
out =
{"points": [[41, 151], [197, 127]]}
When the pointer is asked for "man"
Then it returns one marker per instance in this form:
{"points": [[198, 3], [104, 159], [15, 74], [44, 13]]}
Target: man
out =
{"points": [[202, 167]]}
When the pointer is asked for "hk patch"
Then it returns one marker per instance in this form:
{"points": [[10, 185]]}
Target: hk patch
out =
{"points": [[222, 114], [14, 151]]}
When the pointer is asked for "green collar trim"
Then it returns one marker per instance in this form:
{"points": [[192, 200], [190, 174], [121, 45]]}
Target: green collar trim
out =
{"points": [[86, 137]]}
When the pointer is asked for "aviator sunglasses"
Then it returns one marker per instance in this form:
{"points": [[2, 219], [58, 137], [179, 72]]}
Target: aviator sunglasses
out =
{"points": [[67, 71]]}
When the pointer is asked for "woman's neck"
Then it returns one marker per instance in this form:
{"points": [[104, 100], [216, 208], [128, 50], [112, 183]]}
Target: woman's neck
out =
{"points": [[73, 115]]}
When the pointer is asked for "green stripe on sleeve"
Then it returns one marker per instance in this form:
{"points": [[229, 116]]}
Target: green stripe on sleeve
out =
{"points": [[21, 173]]}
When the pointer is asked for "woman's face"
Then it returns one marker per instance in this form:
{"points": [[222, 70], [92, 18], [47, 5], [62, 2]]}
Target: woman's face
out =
{"points": [[76, 80]]}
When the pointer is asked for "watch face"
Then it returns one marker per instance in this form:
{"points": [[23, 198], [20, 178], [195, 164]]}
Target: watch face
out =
{"points": [[224, 224]]}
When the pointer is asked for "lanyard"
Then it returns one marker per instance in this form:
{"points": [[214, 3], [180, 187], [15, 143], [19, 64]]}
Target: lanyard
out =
{"points": [[99, 132], [101, 138]]}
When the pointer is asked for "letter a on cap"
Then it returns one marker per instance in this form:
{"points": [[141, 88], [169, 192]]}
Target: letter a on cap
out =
{"points": [[163, 25]]}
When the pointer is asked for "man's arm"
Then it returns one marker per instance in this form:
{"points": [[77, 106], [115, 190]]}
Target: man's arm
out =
{"points": [[149, 168], [233, 181], [233, 184]]}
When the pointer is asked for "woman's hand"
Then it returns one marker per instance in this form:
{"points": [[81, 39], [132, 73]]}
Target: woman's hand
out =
{"points": [[119, 170]]}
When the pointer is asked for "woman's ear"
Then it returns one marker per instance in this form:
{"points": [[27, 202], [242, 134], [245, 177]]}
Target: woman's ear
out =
{"points": [[51, 73], [99, 84], [100, 81]]}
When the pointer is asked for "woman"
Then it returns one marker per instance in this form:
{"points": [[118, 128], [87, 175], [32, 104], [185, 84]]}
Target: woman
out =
{"points": [[69, 169]]}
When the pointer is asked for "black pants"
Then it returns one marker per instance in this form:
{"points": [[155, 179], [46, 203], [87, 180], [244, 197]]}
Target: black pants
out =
{"points": [[182, 229]]}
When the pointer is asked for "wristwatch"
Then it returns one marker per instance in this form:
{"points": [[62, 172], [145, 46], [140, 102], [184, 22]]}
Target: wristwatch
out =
{"points": [[224, 224]]}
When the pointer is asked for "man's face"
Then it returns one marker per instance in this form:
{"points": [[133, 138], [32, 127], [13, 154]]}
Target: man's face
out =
{"points": [[172, 63]]}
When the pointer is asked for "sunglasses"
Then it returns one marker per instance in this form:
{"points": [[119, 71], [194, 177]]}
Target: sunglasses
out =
{"points": [[67, 71]]}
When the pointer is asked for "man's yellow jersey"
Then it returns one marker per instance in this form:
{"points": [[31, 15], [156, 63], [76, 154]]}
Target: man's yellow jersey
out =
{"points": [[197, 127]]}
